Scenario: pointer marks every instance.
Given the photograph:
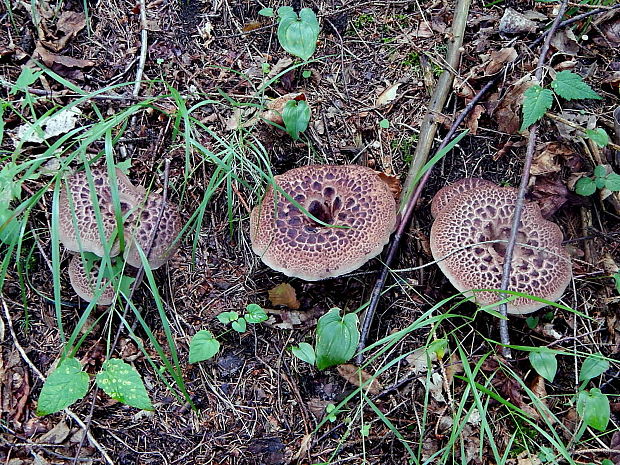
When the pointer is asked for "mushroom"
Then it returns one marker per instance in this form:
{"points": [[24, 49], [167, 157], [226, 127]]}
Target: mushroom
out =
{"points": [[163, 244], [83, 282], [356, 205], [472, 212], [76, 200]]}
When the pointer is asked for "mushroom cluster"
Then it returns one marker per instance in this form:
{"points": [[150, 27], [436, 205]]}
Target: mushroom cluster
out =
{"points": [[473, 219], [356, 212], [81, 231]]}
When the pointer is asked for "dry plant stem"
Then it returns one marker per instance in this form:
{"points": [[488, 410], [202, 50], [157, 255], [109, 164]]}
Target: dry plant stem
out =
{"points": [[576, 126], [428, 128], [39, 375], [525, 177], [143, 48], [136, 283]]}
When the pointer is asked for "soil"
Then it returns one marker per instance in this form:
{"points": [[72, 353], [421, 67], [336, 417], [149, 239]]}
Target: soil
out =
{"points": [[255, 403]]}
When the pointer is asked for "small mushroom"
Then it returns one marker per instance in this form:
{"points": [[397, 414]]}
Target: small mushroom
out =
{"points": [[75, 200], [163, 242], [353, 200], [84, 283], [466, 218]]}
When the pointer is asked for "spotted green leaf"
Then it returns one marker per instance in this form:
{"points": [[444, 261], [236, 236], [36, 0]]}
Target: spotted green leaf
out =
{"points": [[122, 382], [336, 338], [593, 408], [66, 384], [296, 116], [545, 363]]}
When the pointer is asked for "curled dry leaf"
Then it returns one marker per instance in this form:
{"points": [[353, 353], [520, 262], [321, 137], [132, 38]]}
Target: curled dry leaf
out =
{"points": [[388, 95], [276, 106], [473, 118], [393, 183], [498, 59], [290, 319], [284, 294], [50, 59], [508, 110], [357, 377], [545, 159], [550, 194]]}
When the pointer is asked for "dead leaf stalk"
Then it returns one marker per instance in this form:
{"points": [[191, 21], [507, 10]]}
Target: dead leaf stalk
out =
{"points": [[525, 177], [428, 128], [143, 48]]}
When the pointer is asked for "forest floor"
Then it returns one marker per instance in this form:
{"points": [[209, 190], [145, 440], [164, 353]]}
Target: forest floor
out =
{"points": [[369, 85]]}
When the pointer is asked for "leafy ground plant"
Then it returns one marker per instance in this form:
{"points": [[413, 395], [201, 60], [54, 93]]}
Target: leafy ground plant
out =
{"points": [[567, 85], [603, 178]]}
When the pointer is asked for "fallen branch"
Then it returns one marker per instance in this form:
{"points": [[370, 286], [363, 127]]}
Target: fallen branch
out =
{"points": [[428, 128], [143, 48], [525, 177]]}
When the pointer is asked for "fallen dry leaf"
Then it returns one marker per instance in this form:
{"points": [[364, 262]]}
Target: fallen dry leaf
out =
{"points": [[357, 377], [284, 294], [60, 122], [545, 159], [550, 194], [473, 118], [290, 319], [276, 106], [393, 183], [498, 59], [50, 59], [388, 95], [508, 110], [564, 41], [419, 359], [57, 434], [434, 385]]}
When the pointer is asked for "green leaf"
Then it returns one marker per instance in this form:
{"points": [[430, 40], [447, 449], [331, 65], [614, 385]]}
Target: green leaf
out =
{"points": [[612, 182], [255, 314], [298, 34], [239, 325], [296, 116], [10, 226], [438, 347], [535, 103], [268, 12], [384, 123], [203, 346], [336, 338], [599, 136], [306, 73], [531, 321], [592, 367], [600, 171], [593, 408], [304, 352], [228, 317], [25, 79], [545, 364], [122, 382], [66, 384], [570, 86], [616, 277], [585, 186]]}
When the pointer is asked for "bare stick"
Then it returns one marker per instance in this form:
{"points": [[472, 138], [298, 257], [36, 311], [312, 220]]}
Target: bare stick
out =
{"points": [[525, 177], [428, 128], [39, 375], [143, 48]]}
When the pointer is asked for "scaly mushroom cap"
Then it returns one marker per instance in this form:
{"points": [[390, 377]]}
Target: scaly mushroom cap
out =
{"points": [[163, 245], [446, 194], [75, 199], [352, 196], [84, 283], [542, 268]]}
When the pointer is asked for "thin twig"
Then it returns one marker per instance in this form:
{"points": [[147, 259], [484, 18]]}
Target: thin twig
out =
{"points": [[428, 129], [39, 375], [143, 48], [525, 177]]}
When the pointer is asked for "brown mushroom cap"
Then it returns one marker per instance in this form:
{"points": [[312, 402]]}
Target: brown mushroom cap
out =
{"points": [[542, 268], [352, 196], [162, 245], [446, 194], [75, 199], [84, 283]]}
